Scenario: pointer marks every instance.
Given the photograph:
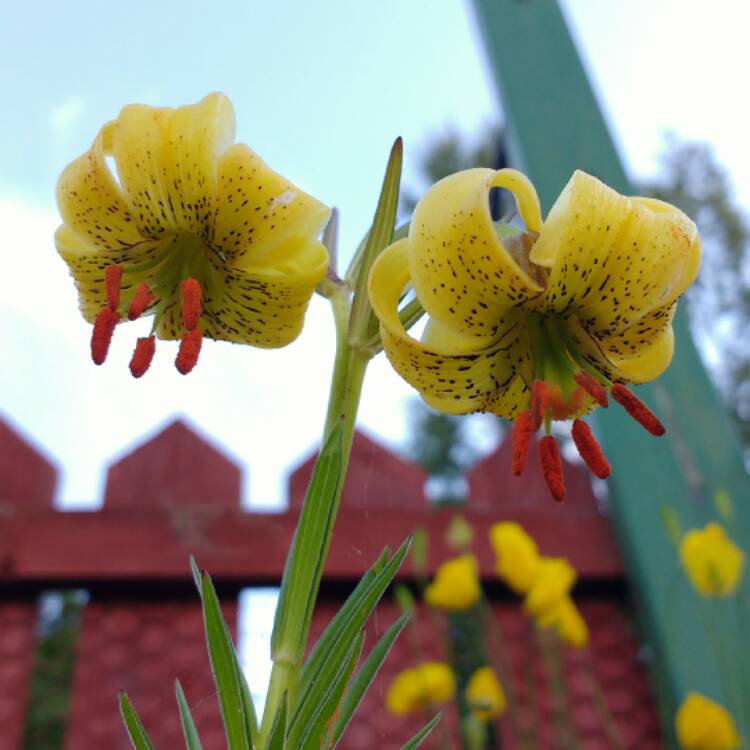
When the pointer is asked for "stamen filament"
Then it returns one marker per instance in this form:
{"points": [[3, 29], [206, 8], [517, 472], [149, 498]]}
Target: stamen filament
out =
{"points": [[142, 300], [549, 452], [523, 429], [538, 403], [637, 409], [112, 277], [595, 389], [190, 348], [590, 450], [101, 336], [142, 356], [191, 303]]}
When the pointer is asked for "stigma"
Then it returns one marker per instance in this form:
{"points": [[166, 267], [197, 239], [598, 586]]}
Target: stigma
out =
{"points": [[142, 300]]}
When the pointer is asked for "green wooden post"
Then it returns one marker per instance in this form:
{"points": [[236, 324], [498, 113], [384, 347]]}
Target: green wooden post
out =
{"points": [[555, 126]]}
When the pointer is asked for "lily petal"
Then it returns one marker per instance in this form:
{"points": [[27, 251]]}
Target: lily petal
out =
{"points": [[442, 367], [258, 211], [87, 264], [197, 136], [259, 305], [462, 274], [612, 259], [91, 202]]}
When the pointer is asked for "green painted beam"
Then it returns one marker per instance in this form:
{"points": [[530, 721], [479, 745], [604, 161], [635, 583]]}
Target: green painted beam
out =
{"points": [[555, 126]]}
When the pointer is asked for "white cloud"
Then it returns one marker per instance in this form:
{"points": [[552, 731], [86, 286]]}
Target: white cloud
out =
{"points": [[64, 117]]}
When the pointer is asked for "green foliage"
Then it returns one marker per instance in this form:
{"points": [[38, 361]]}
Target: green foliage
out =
{"points": [[49, 691]]}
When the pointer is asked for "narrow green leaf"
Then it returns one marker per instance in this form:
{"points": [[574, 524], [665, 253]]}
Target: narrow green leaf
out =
{"points": [[192, 740], [378, 238], [350, 619], [310, 723], [277, 737], [422, 734], [196, 571], [251, 719], [225, 669], [137, 733], [364, 678], [304, 565]]}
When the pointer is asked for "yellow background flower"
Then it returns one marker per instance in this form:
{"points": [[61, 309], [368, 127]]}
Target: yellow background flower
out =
{"points": [[712, 560], [485, 695], [551, 586], [456, 584], [428, 684], [702, 724], [565, 618], [517, 558]]}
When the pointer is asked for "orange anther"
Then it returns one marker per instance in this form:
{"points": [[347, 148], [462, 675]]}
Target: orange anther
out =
{"points": [[549, 452], [142, 300], [191, 303], [101, 336], [112, 277], [142, 356], [520, 439], [590, 450], [190, 348], [637, 409], [592, 386]]}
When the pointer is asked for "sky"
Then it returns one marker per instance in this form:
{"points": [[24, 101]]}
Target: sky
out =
{"points": [[320, 92]]}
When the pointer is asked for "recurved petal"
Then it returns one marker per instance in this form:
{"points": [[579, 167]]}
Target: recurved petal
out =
{"points": [[445, 368], [87, 263], [197, 136], [91, 202], [612, 259], [258, 211], [638, 355], [259, 305], [462, 274]]}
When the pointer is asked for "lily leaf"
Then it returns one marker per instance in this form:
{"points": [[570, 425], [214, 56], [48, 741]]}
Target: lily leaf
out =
{"points": [[422, 734], [363, 679], [192, 740], [137, 733]]}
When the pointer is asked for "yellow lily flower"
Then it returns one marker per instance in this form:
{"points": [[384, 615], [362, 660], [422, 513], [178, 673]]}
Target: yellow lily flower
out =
{"points": [[551, 586], [427, 685], [540, 324], [197, 231], [712, 560], [456, 584], [567, 620], [517, 558], [484, 694], [703, 724]]}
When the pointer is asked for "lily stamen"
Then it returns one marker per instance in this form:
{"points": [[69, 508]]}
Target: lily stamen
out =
{"points": [[538, 403], [142, 300], [112, 278], [637, 409], [142, 356], [592, 386], [190, 348], [191, 303], [523, 430], [101, 336], [549, 452], [589, 450]]}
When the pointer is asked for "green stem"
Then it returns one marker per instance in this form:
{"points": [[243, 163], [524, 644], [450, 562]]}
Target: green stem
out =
{"points": [[550, 649], [602, 707], [349, 370]]}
